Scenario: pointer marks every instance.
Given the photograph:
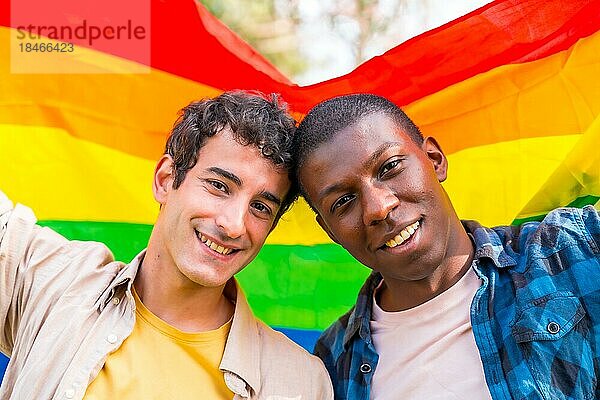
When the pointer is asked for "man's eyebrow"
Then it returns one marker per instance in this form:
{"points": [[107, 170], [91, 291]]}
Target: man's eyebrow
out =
{"points": [[330, 189], [271, 197], [380, 150], [226, 174]]}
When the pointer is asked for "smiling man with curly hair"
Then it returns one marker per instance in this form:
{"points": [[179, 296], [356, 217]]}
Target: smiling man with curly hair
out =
{"points": [[173, 323]]}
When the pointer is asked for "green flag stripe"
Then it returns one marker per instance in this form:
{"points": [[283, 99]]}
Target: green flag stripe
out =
{"points": [[289, 286]]}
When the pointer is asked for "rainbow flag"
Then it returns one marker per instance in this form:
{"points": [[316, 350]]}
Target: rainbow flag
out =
{"points": [[511, 91]]}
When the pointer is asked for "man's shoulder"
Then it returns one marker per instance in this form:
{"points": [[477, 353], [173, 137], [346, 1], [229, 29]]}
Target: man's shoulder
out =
{"points": [[534, 255], [25, 239], [560, 228], [564, 227], [275, 342], [291, 366], [572, 218]]}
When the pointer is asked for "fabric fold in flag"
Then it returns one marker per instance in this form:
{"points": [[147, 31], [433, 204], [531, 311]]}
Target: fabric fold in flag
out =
{"points": [[576, 181]]}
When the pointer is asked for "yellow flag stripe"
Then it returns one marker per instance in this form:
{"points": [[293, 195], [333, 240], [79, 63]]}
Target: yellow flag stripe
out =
{"points": [[577, 176], [65, 178]]}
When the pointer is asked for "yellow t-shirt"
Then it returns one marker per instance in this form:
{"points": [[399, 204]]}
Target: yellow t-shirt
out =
{"points": [[158, 361]]}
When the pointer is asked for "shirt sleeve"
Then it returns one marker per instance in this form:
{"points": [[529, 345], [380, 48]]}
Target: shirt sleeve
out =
{"points": [[5, 208], [39, 268], [17, 226], [591, 219]]}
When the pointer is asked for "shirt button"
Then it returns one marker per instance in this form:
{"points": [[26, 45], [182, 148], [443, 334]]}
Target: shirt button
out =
{"points": [[116, 301], [365, 368], [111, 338], [69, 393], [553, 327]]}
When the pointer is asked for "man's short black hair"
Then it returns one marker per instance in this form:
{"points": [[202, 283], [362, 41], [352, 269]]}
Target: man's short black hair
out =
{"points": [[255, 120], [328, 118]]}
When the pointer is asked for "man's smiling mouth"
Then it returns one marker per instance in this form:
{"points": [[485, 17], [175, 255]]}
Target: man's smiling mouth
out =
{"points": [[213, 246], [403, 236]]}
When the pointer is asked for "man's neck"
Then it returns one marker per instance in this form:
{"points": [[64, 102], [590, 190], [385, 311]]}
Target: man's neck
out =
{"points": [[179, 302]]}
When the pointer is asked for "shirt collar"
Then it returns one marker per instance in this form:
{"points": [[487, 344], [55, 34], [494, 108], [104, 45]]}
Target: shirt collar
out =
{"points": [[124, 279], [492, 243], [360, 317], [241, 359]]}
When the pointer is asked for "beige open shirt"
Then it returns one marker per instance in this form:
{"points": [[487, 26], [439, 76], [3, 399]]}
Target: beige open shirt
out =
{"points": [[66, 305]]}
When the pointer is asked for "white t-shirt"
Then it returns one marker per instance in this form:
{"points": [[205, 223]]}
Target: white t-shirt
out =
{"points": [[429, 352]]}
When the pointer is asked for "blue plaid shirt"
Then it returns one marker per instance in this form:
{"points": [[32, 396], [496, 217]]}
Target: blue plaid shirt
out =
{"points": [[536, 317]]}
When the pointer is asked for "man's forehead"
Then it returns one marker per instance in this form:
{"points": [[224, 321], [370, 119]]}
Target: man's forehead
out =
{"points": [[376, 122], [257, 150], [228, 153], [370, 133]]}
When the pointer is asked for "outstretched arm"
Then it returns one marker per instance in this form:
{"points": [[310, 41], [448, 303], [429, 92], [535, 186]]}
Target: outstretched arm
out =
{"points": [[16, 230], [22, 251]]}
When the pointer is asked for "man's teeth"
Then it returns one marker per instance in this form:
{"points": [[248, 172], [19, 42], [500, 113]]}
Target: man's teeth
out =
{"points": [[403, 235], [214, 246]]}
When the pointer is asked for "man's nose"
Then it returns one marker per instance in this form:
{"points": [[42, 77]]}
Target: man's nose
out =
{"points": [[231, 221], [378, 202]]}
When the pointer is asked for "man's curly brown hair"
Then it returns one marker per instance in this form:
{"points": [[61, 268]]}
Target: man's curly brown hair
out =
{"points": [[254, 119]]}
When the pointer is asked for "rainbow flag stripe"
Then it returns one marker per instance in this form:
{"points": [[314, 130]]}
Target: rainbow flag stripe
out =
{"points": [[511, 91]]}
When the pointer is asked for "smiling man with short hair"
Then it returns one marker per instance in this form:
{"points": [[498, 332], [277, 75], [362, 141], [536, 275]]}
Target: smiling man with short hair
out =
{"points": [[173, 323], [452, 310]]}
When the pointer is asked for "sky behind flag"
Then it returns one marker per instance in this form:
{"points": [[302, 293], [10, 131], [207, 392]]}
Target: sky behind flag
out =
{"points": [[511, 92]]}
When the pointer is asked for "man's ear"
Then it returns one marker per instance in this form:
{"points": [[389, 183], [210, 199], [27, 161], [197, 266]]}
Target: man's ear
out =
{"points": [[437, 157], [163, 178], [323, 225]]}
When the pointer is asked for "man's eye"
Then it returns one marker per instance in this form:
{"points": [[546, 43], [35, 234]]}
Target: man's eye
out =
{"points": [[220, 186], [387, 167], [261, 208], [342, 201]]}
